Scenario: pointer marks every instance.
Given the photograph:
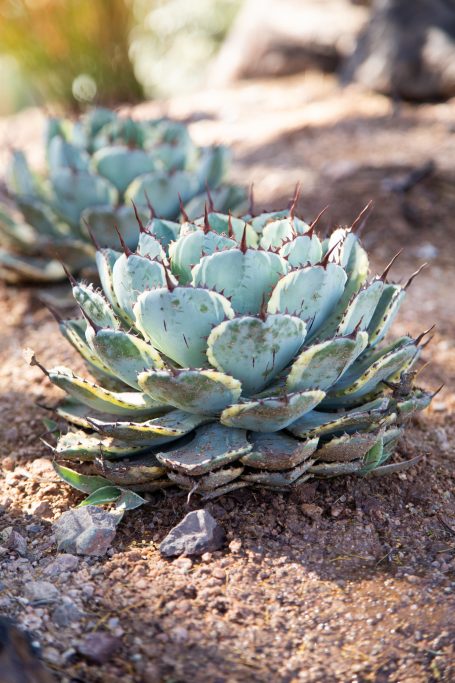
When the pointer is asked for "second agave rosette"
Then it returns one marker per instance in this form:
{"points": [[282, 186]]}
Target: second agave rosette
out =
{"points": [[96, 167]]}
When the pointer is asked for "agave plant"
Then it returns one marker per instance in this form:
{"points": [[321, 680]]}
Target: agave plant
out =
{"points": [[96, 168], [233, 352]]}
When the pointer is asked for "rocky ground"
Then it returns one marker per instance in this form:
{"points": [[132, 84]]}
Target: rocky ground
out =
{"points": [[346, 580]]}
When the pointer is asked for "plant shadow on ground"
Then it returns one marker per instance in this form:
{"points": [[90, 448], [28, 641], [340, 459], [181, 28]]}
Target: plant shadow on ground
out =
{"points": [[284, 148], [338, 174], [341, 529], [345, 527]]}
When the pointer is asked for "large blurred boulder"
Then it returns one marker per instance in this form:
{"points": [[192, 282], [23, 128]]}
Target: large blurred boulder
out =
{"points": [[408, 49], [280, 37]]}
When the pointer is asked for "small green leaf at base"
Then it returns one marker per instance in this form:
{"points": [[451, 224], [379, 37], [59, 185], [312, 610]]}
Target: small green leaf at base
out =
{"points": [[123, 498], [86, 483]]}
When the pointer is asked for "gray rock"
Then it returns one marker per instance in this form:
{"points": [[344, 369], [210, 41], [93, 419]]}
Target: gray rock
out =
{"points": [[13, 540], [196, 534], [291, 36], [62, 563], [41, 592], [98, 647], [407, 50], [86, 531], [66, 613]]}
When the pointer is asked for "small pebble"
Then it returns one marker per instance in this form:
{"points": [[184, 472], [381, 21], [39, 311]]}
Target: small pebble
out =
{"points": [[12, 540], [196, 534], [219, 574], [42, 592], [183, 563], [62, 563], [40, 509], [99, 647], [312, 511], [66, 613]]}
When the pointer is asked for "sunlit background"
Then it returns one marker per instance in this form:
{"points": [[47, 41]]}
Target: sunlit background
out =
{"points": [[71, 52]]}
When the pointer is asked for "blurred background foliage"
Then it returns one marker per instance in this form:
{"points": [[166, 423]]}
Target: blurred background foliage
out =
{"points": [[70, 52], [174, 40]]}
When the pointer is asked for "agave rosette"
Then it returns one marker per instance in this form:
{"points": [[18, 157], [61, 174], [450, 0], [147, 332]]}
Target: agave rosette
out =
{"points": [[96, 167], [232, 352]]}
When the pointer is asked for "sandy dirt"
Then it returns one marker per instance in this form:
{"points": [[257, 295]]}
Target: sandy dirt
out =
{"points": [[347, 580]]}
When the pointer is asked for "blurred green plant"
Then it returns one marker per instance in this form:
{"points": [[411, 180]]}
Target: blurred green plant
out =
{"points": [[174, 41], [72, 51], [103, 171]]}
